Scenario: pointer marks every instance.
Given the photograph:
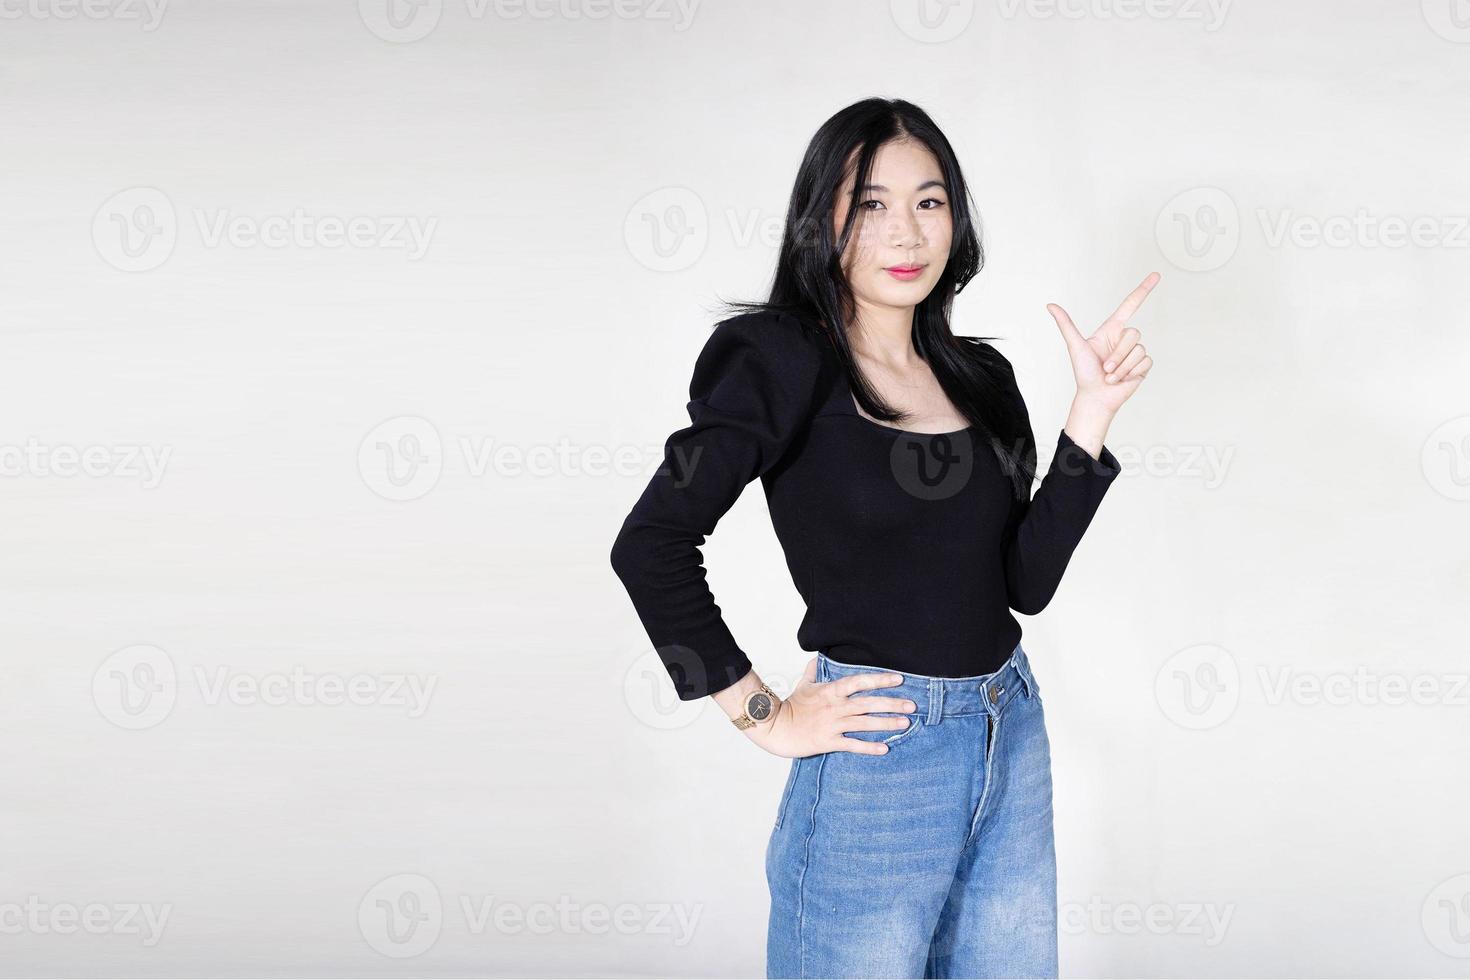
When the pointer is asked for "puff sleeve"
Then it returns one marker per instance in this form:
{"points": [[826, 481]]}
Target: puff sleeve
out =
{"points": [[751, 393], [1045, 531]]}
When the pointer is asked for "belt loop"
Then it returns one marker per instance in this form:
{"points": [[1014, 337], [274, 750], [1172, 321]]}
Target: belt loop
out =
{"points": [[1024, 669], [936, 701]]}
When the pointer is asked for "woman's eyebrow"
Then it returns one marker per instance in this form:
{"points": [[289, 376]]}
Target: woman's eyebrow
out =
{"points": [[924, 186]]}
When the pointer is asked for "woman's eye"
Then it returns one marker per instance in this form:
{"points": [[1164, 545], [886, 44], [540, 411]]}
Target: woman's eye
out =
{"points": [[931, 200], [865, 204]]}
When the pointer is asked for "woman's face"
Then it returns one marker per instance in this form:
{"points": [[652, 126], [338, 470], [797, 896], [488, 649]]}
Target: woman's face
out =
{"points": [[903, 224]]}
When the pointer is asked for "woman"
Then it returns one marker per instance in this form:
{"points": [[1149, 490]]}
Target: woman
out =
{"points": [[914, 835]]}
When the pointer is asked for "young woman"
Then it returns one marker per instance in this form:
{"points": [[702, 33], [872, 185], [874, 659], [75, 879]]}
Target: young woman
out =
{"points": [[914, 835]]}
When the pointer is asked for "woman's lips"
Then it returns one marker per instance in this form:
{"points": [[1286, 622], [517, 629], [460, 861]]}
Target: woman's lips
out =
{"points": [[905, 272]]}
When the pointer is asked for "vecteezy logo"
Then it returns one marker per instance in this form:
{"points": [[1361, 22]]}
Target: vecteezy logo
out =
{"points": [[667, 230], [135, 230], [1450, 19], [1198, 230], [400, 21], [136, 687], [1446, 459], [1445, 916], [1198, 687], [932, 466], [402, 458], [932, 21], [651, 697], [401, 915]]}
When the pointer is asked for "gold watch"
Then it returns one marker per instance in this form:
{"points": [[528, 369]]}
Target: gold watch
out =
{"points": [[759, 706]]}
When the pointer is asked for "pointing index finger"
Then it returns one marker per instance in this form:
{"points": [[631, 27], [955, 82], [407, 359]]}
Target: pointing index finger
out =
{"points": [[1135, 299]]}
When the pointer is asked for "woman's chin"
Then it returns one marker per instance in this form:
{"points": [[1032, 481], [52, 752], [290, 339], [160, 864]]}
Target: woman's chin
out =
{"points": [[891, 292]]}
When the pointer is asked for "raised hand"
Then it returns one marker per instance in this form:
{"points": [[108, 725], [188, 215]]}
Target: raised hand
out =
{"points": [[1111, 364]]}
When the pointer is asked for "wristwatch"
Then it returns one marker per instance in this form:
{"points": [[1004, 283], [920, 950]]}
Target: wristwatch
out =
{"points": [[759, 706]]}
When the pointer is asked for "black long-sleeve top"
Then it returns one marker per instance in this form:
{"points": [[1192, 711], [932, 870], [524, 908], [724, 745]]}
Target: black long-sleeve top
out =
{"points": [[910, 549]]}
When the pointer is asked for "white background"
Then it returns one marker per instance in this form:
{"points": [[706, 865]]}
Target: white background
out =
{"points": [[591, 182]]}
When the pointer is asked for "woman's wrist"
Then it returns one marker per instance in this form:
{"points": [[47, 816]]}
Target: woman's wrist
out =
{"points": [[732, 699], [1087, 424]]}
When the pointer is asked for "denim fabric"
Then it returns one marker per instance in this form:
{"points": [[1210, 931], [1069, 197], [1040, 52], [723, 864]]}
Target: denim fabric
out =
{"points": [[934, 860]]}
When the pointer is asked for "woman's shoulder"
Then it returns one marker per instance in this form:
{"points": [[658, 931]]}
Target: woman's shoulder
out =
{"points": [[776, 343], [995, 366], [985, 353], [763, 363], [773, 332]]}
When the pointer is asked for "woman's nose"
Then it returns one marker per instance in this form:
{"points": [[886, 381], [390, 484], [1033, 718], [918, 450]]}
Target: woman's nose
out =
{"points": [[905, 231]]}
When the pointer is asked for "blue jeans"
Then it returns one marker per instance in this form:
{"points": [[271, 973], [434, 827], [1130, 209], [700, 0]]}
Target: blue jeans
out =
{"points": [[935, 860]]}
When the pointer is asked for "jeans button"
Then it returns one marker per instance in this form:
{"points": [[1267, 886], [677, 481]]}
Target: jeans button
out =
{"points": [[995, 693]]}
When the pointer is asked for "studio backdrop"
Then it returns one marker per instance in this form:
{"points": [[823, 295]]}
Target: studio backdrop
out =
{"points": [[339, 338]]}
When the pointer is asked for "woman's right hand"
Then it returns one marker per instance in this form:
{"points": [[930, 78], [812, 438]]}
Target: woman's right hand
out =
{"points": [[813, 719]]}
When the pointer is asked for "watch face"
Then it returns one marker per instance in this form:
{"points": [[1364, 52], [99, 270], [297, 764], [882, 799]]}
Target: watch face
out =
{"points": [[758, 707]]}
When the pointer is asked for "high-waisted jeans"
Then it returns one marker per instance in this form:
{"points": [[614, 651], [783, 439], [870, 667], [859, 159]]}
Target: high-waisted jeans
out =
{"points": [[934, 860]]}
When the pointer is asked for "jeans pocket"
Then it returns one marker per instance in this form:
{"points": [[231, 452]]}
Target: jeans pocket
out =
{"points": [[786, 793], [889, 738]]}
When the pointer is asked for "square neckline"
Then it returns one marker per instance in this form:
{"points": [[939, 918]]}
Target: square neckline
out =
{"points": [[856, 413]]}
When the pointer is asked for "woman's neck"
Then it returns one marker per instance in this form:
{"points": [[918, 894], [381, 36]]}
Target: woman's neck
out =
{"points": [[884, 335]]}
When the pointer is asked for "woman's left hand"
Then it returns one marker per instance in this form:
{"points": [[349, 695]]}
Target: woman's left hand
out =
{"points": [[1111, 364]]}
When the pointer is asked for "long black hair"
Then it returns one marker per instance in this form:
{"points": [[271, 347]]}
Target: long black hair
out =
{"points": [[811, 286]]}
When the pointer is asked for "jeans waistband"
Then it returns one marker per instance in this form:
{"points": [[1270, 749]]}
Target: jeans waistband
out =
{"points": [[936, 697]]}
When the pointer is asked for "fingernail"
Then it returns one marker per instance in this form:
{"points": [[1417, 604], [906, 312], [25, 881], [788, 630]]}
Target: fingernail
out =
{"points": [[1108, 366], [1110, 378]]}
